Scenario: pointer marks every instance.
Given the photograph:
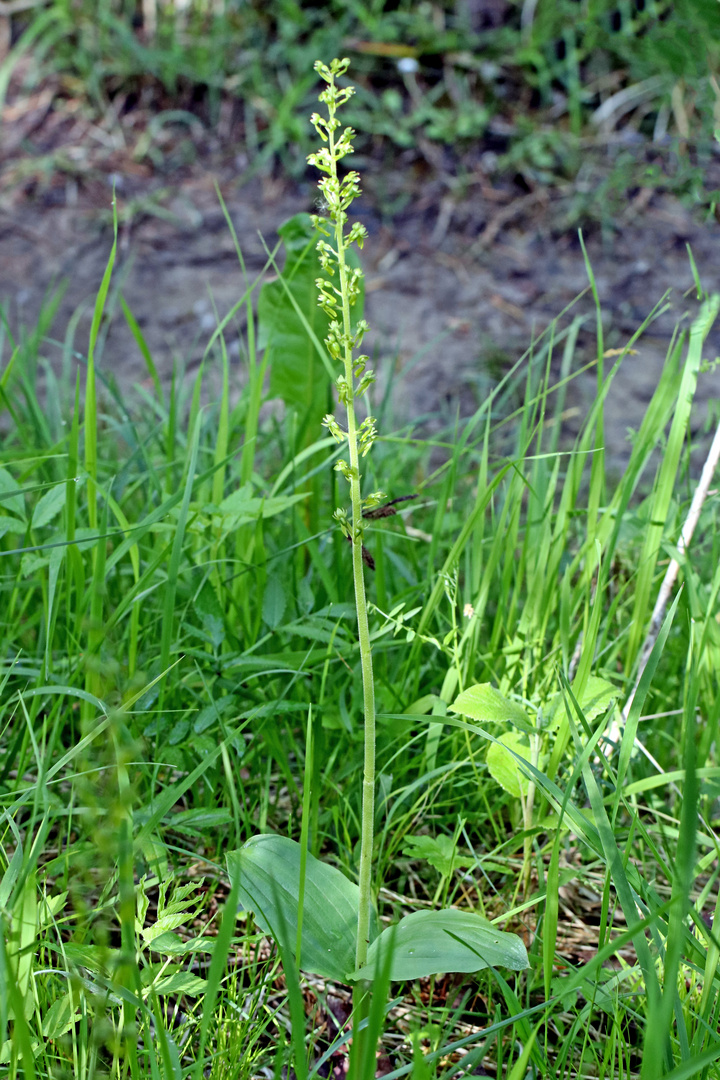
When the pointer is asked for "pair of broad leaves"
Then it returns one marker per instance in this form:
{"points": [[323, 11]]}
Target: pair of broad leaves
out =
{"points": [[424, 943], [267, 872]]}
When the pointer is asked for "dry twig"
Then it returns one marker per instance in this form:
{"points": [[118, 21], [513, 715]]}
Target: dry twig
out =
{"points": [[701, 492]]}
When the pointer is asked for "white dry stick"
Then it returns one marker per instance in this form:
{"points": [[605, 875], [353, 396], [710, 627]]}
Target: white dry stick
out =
{"points": [[701, 492], [149, 16], [14, 7]]}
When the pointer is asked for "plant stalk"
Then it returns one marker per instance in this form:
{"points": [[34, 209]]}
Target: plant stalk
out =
{"points": [[366, 664]]}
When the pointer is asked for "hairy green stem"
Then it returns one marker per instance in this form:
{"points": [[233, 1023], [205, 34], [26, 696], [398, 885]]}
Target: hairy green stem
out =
{"points": [[368, 788], [336, 300]]}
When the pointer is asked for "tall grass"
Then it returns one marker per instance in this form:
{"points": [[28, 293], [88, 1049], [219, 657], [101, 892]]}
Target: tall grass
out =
{"points": [[167, 623]]}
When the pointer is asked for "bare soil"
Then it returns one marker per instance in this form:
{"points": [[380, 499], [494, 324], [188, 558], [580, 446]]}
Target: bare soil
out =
{"points": [[457, 289]]}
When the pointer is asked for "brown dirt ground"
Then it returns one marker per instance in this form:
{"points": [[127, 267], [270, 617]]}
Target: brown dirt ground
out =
{"points": [[456, 288]]}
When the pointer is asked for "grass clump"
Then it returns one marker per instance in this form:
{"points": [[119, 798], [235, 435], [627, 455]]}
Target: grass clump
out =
{"points": [[613, 95], [182, 671]]}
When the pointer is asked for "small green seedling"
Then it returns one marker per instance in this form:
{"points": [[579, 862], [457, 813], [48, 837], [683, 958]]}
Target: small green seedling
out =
{"points": [[526, 739]]}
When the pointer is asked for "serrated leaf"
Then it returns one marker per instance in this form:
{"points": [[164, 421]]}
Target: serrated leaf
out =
{"points": [[11, 525], [485, 704], [167, 922], [49, 506], [429, 942], [157, 970], [242, 508], [504, 767], [33, 562], [273, 607], [178, 732], [439, 851], [211, 614], [305, 596], [169, 944], [179, 898], [85, 539], [60, 1017], [596, 699], [212, 713], [268, 870]]}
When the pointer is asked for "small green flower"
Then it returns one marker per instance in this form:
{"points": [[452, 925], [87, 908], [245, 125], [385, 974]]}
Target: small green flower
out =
{"points": [[341, 286], [338, 291]]}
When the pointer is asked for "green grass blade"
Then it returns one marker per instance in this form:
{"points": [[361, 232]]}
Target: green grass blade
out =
{"points": [[666, 479], [91, 434], [216, 974], [168, 626], [656, 1050], [143, 347]]}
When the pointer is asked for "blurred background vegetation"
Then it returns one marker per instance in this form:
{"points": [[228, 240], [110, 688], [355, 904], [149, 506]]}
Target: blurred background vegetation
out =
{"points": [[533, 92]]}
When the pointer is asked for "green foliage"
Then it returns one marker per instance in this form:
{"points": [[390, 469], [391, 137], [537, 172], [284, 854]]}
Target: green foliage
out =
{"points": [[292, 328], [339, 292], [428, 942], [485, 704], [531, 77], [439, 851], [277, 878], [181, 672], [268, 872], [502, 761]]}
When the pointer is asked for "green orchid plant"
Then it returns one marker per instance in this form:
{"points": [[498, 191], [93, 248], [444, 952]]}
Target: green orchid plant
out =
{"points": [[337, 294], [326, 922]]}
